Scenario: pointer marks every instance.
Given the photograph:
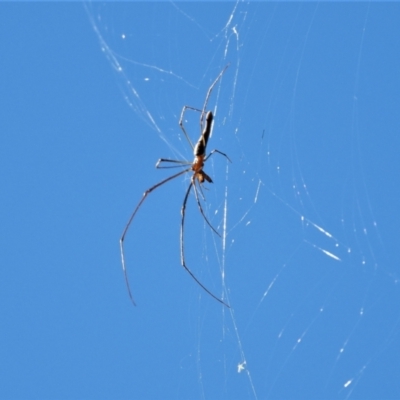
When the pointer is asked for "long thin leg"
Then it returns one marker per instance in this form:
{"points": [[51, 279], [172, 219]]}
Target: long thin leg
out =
{"points": [[181, 122], [201, 208], [196, 192], [183, 262], [219, 152], [181, 163], [121, 241], [203, 112]]}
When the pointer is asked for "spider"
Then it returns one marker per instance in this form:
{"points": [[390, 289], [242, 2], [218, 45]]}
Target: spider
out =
{"points": [[198, 177]]}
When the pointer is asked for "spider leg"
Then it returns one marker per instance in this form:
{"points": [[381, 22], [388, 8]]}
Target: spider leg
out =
{"points": [[219, 152], [183, 262], [181, 122], [181, 163], [202, 193], [203, 112], [201, 208], [121, 241]]}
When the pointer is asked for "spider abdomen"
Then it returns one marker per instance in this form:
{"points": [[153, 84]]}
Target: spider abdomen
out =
{"points": [[200, 148]]}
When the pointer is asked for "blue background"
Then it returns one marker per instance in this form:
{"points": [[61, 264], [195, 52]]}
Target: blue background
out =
{"points": [[308, 112]]}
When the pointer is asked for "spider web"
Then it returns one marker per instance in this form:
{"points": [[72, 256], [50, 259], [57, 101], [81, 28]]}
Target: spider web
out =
{"points": [[305, 255]]}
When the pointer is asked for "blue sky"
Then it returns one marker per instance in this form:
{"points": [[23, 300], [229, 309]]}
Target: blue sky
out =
{"points": [[308, 209]]}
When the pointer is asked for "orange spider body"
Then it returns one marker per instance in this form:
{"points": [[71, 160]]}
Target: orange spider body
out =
{"points": [[200, 151]]}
